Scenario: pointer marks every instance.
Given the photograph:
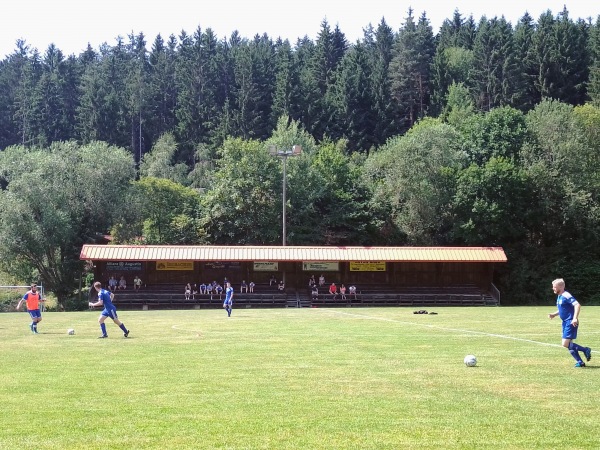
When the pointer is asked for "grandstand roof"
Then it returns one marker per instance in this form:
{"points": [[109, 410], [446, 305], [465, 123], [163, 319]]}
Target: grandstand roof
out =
{"points": [[289, 253]]}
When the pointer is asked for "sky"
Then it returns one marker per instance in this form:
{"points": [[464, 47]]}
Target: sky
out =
{"points": [[72, 24]]}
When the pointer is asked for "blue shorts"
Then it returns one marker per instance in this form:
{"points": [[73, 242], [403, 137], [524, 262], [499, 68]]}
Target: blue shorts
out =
{"points": [[227, 303], [569, 331], [110, 312], [35, 313]]}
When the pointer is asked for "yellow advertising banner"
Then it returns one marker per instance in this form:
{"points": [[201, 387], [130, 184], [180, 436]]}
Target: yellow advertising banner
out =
{"points": [[367, 266], [174, 265]]}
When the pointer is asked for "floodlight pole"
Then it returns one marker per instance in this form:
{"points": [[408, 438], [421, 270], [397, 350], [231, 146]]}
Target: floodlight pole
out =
{"points": [[284, 154], [284, 198]]}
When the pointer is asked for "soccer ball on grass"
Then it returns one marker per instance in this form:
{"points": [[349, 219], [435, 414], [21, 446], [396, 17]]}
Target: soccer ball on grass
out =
{"points": [[70, 331], [470, 361]]}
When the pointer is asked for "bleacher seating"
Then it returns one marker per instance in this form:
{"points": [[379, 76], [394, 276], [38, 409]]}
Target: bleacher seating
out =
{"points": [[467, 295], [172, 297]]}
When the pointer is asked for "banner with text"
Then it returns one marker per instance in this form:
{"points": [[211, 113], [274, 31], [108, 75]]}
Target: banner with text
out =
{"points": [[123, 266], [223, 265], [266, 266], [174, 265], [367, 266], [320, 266]]}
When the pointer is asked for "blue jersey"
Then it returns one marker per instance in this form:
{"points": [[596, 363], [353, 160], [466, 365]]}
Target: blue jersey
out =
{"points": [[565, 303], [228, 294], [104, 295]]}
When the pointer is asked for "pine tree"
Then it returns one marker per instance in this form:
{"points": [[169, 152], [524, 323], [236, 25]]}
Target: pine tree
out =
{"points": [[262, 51], [57, 94], [560, 56], [541, 56], [11, 73], [322, 71], [286, 79], [27, 101], [594, 49], [572, 59], [494, 64], [525, 93], [410, 69], [162, 88], [354, 111], [138, 93], [386, 123], [199, 91]]}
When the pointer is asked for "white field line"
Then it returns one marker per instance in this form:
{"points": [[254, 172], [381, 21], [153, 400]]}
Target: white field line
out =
{"points": [[455, 330]]}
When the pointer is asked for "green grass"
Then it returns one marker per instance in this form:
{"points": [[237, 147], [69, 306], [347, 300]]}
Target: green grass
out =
{"points": [[376, 378]]}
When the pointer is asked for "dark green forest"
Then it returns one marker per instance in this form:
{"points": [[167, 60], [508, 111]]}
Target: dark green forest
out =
{"points": [[484, 133]]}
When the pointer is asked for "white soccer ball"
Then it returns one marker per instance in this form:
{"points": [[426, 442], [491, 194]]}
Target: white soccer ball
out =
{"points": [[71, 331], [470, 361]]}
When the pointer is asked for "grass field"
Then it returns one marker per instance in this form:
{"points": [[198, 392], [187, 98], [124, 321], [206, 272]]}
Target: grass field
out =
{"points": [[347, 378]]}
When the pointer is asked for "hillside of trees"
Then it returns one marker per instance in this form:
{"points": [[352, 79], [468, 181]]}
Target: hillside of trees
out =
{"points": [[483, 134]]}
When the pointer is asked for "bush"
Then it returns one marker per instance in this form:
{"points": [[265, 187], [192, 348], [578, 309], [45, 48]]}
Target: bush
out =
{"points": [[75, 303], [9, 298]]}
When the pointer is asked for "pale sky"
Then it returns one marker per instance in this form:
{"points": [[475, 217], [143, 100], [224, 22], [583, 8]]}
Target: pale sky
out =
{"points": [[72, 24]]}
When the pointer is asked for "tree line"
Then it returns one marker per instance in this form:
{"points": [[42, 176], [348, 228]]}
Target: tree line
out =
{"points": [[388, 159], [204, 89]]}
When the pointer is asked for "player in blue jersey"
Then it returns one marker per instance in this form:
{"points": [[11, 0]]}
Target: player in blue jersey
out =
{"points": [[105, 299], [568, 309], [228, 302]]}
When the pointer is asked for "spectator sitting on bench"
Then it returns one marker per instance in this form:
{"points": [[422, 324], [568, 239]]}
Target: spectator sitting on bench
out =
{"points": [[333, 291], [219, 290], [188, 291], [281, 286], [272, 280], [251, 286], [122, 283], [202, 289], [137, 283], [112, 283], [314, 292], [343, 291], [244, 287], [352, 291], [321, 280], [209, 290]]}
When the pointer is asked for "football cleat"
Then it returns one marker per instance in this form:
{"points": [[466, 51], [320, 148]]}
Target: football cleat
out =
{"points": [[103, 336], [126, 334], [579, 364], [588, 353]]}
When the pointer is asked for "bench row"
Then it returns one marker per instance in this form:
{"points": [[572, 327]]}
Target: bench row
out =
{"points": [[170, 302], [405, 300]]}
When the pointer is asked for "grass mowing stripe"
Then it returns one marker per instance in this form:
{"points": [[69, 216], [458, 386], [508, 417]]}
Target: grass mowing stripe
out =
{"points": [[456, 330]]}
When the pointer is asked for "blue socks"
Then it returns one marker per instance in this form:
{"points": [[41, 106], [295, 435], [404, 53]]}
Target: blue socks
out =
{"points": [[103, 328], [574, 350], [577, 347], [122, 327]]}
